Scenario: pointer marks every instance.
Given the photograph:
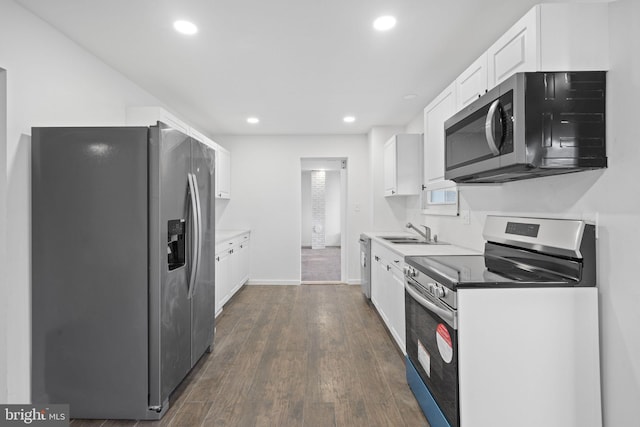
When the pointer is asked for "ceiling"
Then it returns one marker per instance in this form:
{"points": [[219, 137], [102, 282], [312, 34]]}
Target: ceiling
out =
{"points": [[298, 65]]}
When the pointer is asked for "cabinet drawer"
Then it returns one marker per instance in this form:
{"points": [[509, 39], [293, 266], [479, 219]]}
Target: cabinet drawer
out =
{"points": [[228, 244], [390, 257]]}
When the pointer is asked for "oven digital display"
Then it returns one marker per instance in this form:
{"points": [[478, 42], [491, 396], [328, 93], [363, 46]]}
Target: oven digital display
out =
{"points": [[529, 230]]}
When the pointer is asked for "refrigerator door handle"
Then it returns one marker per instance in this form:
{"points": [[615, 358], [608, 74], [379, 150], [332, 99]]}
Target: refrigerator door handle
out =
{"points": [[195, 253], [198, 231]]}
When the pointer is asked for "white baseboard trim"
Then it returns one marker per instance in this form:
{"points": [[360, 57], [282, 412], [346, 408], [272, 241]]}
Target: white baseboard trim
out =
{"points": [[273, 282]]}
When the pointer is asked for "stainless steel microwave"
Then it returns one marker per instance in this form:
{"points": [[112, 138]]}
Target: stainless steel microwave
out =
{"points": [[532, 124]]}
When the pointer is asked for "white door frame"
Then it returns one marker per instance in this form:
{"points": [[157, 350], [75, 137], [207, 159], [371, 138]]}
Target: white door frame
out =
{"points": [[343, 210]]}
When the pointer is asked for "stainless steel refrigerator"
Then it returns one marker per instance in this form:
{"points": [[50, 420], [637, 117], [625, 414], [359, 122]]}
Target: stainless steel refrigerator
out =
{"points": [[122, 267]]}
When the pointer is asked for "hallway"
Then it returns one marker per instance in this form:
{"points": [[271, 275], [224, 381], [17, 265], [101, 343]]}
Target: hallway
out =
{"points": [[321, 265]]}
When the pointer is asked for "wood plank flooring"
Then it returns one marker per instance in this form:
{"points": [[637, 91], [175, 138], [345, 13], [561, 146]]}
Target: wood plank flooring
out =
{"points": [[294, 356]]}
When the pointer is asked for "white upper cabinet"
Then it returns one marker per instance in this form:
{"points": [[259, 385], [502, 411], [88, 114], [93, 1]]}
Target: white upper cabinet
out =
{"points": [[390, 167], [516, 50], [223, 173], [202, 138], [552, 37], [223, 165], [148, 116], [402, 166], [574, 36], [435, 114], [472, 83]]}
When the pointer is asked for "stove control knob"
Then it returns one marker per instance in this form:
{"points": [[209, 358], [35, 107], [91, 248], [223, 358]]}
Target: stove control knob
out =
{"points": [[410, 272], [438, 291]]}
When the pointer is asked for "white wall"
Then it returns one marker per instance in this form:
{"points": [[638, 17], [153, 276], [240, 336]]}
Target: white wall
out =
{"points": [[50, 81], [265, 172], [611, 197]]}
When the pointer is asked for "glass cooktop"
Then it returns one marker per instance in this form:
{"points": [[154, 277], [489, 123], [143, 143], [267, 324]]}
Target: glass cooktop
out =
{"points": [[465, 271]]}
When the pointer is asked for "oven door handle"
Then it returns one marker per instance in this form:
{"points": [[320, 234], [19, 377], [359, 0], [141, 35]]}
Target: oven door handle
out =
{"points": [[447, 315]]}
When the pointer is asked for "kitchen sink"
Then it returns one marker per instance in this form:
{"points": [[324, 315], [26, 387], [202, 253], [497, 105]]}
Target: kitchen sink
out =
{"points": [[398, 239], [411, 241]]}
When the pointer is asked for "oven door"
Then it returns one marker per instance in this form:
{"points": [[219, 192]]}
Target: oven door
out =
{"points": [[432, 346]]}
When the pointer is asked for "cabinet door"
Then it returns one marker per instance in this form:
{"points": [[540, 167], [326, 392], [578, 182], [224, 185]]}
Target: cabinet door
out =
{"points": [[472, 83], [397, 303], [517, 50], [384, 307], [223, 279], [435, 115], [244, 262], [376, 280], [239, 267], [223, 173], [390, 164]]}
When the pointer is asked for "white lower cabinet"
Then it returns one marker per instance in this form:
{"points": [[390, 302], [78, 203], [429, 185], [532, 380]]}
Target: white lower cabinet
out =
{"points": [[387, 291], [239, 265], [222, 279], [376, 278], [396, 301], [232, 268], [532, 351]]}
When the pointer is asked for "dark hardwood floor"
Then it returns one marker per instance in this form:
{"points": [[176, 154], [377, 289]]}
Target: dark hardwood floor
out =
{"points": [[294, 356]]}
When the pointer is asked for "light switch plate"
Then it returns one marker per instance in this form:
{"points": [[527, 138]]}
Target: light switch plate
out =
{"points": [[465, 215]]}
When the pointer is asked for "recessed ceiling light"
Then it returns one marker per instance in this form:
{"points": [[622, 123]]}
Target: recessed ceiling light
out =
{"points": [[253, 120], [410, 96], [349, 119], [185, 27], [384, 23]]}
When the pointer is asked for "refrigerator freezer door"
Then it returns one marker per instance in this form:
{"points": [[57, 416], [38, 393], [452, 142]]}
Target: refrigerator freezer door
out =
{"points": [[203, 300], [89, 270], [169, 306]]}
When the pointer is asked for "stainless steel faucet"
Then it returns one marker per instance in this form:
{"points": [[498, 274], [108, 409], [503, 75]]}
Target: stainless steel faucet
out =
{"points": [[426, 233]]}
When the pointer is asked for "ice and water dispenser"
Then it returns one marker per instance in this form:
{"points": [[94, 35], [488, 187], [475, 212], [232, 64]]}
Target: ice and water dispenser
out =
{"points": [[176, 243]]}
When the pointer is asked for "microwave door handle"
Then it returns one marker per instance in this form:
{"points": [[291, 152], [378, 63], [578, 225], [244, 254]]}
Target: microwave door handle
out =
{"points": [[488, 128], [446, 315]]}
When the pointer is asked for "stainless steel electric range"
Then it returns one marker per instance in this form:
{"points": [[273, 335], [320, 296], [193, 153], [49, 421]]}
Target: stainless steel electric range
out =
{"points": [[509, 337]]}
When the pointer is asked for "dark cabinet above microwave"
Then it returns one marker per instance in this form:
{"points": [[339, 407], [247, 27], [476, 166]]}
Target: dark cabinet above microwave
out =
{"points": [[531, 125]]}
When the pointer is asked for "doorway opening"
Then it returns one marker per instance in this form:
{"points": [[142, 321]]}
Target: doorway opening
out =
{"points": [[323, 219]]}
